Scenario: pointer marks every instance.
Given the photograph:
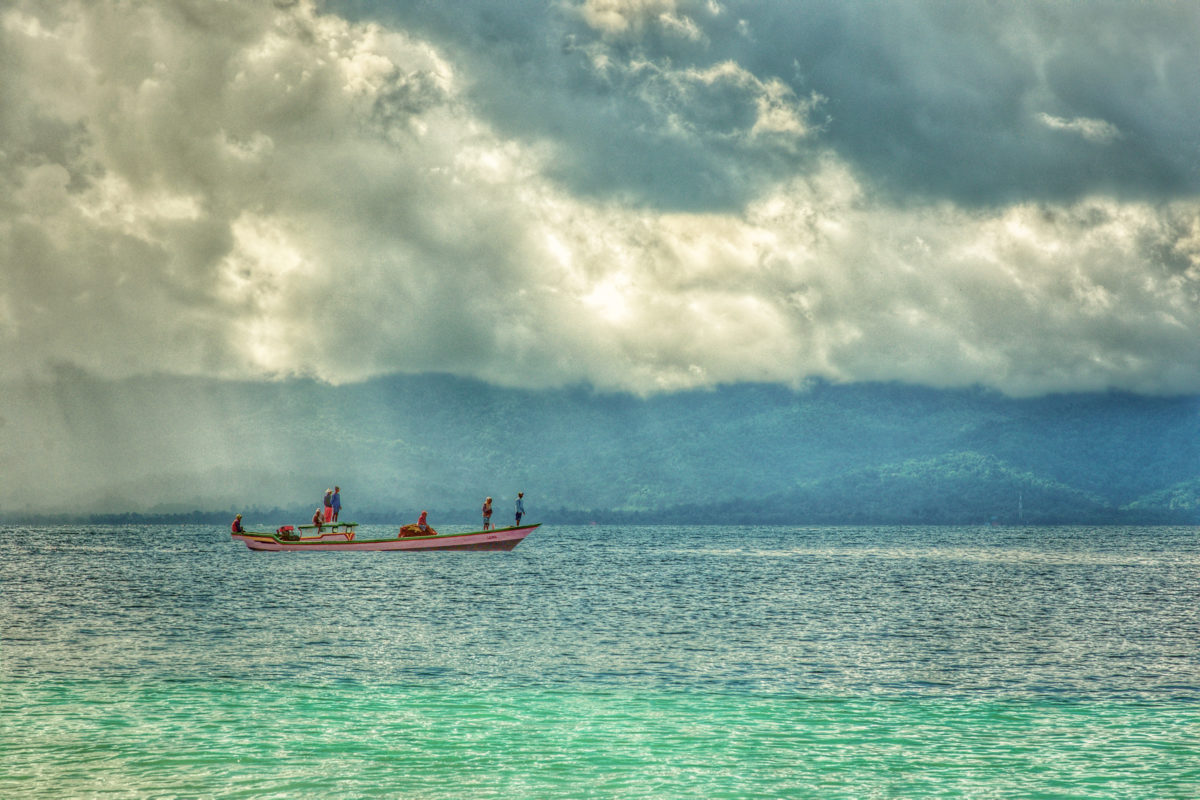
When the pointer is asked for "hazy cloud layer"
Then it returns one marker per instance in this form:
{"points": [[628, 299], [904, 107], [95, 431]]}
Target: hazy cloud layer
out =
{"points": [[640, 194]]}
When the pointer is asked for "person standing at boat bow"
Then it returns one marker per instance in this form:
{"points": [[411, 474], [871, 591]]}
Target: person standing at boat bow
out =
{"points": [[520, 506], [487, 513]]}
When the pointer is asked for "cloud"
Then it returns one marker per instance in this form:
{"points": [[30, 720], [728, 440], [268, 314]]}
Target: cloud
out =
{"points": [[959, 103], [618, 19], [1094, 130], [257, 191], [724, 101]]}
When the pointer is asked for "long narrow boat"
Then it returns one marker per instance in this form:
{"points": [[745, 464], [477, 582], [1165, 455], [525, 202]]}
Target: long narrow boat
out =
{"points": [[341, 536]]}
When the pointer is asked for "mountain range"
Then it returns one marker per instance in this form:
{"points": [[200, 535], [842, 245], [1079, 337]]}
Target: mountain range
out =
{"points": [[170, 447]]}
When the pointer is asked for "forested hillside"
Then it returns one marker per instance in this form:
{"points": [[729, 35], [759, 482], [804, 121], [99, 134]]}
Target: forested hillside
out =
{"points": [[829, 453]]}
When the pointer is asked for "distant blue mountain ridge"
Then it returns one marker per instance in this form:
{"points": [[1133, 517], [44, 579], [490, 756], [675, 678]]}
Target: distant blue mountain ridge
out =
{"points": [[835, 454]]}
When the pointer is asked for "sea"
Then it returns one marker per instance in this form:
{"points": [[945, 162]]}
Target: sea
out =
{"points": [[604, 662]]}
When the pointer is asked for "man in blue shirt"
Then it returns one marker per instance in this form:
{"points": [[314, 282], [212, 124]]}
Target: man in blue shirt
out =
{"points": [[520, 507], [337, 502]]}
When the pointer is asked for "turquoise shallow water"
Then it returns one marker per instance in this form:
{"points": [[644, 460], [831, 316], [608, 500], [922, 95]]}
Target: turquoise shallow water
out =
{"points": [[596, 662]]}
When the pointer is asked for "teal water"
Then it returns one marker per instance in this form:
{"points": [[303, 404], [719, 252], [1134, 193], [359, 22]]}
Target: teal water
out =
{"points": [[596, 662]]}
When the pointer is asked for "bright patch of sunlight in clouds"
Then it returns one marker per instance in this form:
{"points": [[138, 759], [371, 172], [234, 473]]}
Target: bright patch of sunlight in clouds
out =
{"points": [[277, 190]]}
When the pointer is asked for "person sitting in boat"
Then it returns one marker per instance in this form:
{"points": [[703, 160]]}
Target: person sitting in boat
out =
{"points": [[236, 527], [317, 519], [418, 528]]}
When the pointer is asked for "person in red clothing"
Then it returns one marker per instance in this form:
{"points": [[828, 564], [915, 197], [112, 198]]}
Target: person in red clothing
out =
{"points": [[422, 524], [236, 527], [329, 505]]}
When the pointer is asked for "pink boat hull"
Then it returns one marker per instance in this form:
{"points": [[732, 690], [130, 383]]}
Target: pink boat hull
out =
{"points": [[497, 539]]}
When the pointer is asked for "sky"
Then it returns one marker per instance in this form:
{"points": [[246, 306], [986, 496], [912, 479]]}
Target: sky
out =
{"points": [[637, 195]]}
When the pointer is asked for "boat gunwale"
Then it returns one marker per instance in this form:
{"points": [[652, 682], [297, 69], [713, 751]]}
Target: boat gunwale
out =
{"points": [[265, 536]]}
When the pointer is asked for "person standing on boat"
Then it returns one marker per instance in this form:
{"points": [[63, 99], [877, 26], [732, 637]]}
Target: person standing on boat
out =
{"points": [[487, 513], [236, 527], [337, 502], [520, 506], [329, 505]]}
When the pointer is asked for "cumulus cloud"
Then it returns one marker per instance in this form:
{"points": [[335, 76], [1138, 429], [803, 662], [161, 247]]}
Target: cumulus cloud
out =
{"points": [[1094, 130], [724, 101], [620, 19], [264, 190]]}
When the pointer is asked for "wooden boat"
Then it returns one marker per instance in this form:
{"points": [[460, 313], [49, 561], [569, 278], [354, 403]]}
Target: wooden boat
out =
{"points": [[340, 536]]}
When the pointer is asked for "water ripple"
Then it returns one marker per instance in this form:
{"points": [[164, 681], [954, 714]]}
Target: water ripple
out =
{"points": [[601, 662]]}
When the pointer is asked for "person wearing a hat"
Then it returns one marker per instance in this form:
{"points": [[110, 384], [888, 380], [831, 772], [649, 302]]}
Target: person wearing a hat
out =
{"points": [[329, 505], [520, 507]]}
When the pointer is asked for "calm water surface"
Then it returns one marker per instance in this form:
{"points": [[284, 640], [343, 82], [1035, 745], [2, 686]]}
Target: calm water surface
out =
{"points": [[598, 662]]}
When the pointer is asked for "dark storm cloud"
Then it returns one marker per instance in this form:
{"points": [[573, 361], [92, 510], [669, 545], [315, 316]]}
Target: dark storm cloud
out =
{"points": [[979, 103], [638, 116], [948, 99]]}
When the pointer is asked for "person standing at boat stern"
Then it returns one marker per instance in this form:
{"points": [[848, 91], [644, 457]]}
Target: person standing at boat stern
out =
{"points": [[487, 513], [520, 506], [329, 505], [337, 502]]}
